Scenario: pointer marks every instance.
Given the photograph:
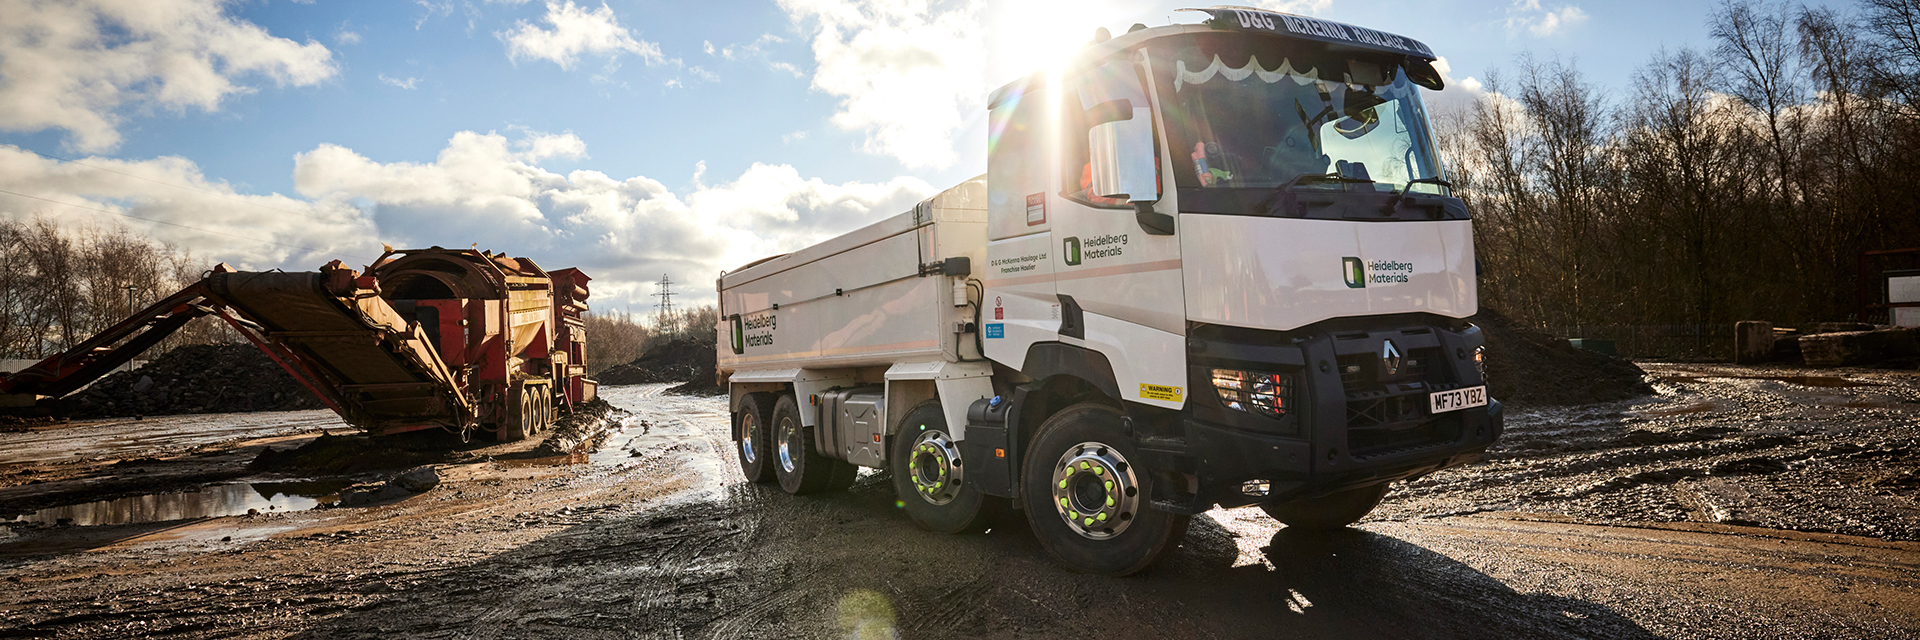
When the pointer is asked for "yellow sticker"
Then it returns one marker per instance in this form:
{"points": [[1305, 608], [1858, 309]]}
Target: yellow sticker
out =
{"points": [[1161, 392]]}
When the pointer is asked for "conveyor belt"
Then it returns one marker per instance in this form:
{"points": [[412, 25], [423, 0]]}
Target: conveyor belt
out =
{"points": [[386, 372], [356, 352]]}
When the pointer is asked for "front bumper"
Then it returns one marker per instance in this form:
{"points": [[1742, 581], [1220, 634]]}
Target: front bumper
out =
{"points": [[1353, 422]]}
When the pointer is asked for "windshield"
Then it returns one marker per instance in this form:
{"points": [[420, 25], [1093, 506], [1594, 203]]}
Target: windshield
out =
{"points": [[1243, 114]]}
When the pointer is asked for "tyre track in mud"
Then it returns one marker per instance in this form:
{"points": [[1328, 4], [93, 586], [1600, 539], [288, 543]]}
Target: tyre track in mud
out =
{"points": [[672, 543]]}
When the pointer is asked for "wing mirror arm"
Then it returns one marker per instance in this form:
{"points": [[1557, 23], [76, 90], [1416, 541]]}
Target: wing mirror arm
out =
{"points": [[1153, 222]]}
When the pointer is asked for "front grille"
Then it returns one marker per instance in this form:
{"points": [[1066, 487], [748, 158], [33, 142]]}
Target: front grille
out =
{"points": [[1387, 410], [1366, 370]]}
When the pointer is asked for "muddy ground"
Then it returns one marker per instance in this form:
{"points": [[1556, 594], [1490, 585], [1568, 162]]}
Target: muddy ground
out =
{"points": [[1738, 503]]}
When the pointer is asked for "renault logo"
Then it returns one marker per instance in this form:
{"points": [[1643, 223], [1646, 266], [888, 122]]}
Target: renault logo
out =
{"points": [[1390, 358]]}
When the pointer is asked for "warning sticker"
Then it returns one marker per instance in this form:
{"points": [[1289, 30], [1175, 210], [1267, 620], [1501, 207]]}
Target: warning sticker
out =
{"points": [[1161, 392]]}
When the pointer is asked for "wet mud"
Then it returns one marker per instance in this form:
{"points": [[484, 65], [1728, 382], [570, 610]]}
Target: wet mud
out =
{"points": [[1575, 527], [1836, 452]]}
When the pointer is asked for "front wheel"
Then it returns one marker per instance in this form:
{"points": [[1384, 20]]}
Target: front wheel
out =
{"points": [[1085, 499], [930, 477], [1328, 512]]}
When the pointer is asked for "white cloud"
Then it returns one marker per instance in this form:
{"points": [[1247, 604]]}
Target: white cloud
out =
{"points": [[624, 232], [1530, 16], [1297, 7], [1459, 95], [226, 225], [407, 84], [794, 137], [344, 36], [574, 31], [485, 188], [907, 73], [78, 65]]}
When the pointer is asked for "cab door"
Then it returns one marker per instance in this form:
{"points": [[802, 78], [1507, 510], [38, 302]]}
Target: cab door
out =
{"points": [[1109, 269]]}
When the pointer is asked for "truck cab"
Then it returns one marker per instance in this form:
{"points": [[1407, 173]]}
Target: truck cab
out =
{"points": [[1240, 233]]}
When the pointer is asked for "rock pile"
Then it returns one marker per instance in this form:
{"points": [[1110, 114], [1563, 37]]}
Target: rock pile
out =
{"points": [[193, 379]]}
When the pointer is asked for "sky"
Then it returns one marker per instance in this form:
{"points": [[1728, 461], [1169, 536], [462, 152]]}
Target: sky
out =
{"points": [[630, 138]]}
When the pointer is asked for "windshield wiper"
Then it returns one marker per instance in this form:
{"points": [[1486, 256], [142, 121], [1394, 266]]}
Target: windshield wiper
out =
{"points": [[1266, 204], [1393, 204]]}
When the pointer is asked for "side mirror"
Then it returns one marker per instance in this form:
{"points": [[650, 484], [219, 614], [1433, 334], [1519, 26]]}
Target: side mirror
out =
{"points": [[1121, 154]]}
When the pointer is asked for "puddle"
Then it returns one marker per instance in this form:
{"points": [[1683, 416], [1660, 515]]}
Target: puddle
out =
{"points": [[213, 502]]}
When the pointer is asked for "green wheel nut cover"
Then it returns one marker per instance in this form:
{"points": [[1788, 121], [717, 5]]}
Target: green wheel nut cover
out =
{"points": [[1099, 471], [1063, 484], [1109, 501], [1064, 503], [1103, 517]]}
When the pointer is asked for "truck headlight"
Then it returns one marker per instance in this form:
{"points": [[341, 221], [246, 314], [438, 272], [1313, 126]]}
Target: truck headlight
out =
{"points": [[1267, 394]]}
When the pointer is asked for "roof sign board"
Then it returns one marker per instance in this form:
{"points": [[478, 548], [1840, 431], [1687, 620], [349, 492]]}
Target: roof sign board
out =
{"points": [[1286, 24]]}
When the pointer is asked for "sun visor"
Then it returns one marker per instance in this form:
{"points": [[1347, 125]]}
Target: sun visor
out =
{"points": [[1292, 26]]}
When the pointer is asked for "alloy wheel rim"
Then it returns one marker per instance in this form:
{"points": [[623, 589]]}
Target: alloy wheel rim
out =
{"points": [[747, 427], [934, 466], [787, 433], [1095, 490]]}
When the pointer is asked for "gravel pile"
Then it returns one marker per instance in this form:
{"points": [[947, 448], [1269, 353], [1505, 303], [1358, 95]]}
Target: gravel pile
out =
{"points": [[193, 379], [1526, 367]]}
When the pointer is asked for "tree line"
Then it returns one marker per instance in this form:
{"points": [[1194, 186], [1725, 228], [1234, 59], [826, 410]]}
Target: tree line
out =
{"points": [[615, 338], [1737, 182], [59, 287]]}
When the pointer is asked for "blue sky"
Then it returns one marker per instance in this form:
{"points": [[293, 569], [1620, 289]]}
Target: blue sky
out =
{"points": [[630, 137]]}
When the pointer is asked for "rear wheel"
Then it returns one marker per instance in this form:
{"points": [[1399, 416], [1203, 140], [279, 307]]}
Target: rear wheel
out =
{"points": [[514, 423], [1085, 499], [797, 466], [930, 477], [752, 448], [1328, 512]]}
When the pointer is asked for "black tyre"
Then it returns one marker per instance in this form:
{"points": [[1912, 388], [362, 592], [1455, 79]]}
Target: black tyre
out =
{"points": [[755, 462], [1328, 512], [514, 422], [929, 476], [800, 470], [1085, 500]]}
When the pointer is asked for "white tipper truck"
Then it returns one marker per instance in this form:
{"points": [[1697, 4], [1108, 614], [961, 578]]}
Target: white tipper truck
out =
{"points": [[1209, 265]]}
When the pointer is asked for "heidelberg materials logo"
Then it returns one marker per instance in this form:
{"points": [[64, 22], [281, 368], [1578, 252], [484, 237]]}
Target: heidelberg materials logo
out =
{"points": [[1358, 274], [1070, 250]]}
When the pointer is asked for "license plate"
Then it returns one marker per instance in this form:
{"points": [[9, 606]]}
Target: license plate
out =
{"points": [[1457, 399]]}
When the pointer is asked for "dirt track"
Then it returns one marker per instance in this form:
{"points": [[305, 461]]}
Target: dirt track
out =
{"points": [[656, 536]]}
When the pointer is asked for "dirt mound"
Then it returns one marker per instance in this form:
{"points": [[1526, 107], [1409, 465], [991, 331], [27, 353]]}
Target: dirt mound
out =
{"points": [[331, 454], [193, 379], [1528, 368], [686, 359]]}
